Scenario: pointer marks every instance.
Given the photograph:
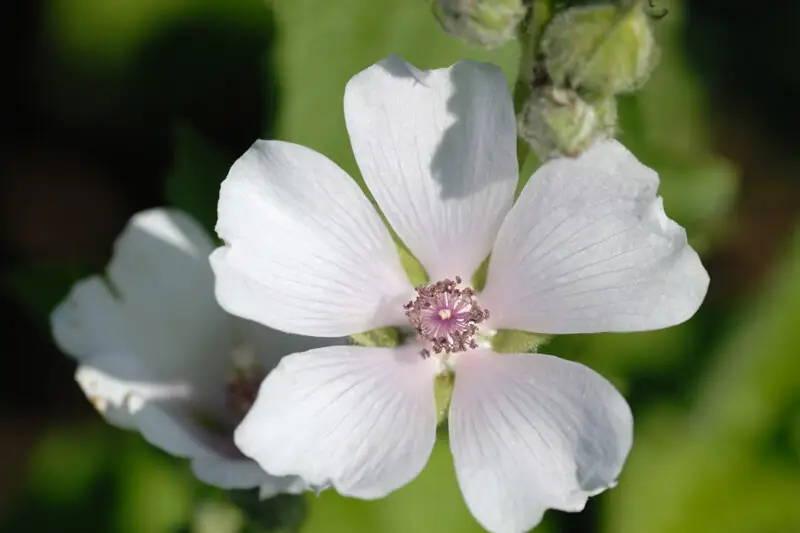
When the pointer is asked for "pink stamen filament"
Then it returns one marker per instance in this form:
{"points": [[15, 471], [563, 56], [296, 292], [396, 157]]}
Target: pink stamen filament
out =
{"points": [[446, 316]]}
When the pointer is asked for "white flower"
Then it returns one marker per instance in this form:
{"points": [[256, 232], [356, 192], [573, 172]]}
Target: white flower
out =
{"points": [[586, 248], [158, 355]]}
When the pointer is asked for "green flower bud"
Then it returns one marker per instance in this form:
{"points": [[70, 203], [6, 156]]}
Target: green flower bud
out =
{"points": [[557, 121], [602, 49], [489, 23]]}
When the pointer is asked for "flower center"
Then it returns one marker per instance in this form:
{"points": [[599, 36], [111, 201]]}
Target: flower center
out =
{"points": [[241, 394], [242, 387], [445, 316]]}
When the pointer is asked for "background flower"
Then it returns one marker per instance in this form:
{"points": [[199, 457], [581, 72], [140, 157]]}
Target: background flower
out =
{"points": [[156, 353]]}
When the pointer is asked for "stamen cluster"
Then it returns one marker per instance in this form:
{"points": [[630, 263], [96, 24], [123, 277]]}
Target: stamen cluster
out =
{"points": [[446, 316]]}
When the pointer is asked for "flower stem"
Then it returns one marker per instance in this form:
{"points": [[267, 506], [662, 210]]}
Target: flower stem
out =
{"points": [[530, 32]]}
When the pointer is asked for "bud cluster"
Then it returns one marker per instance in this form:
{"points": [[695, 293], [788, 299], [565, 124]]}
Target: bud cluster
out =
{"points": [[601, 49], [487, 23], [574, 64], [588, 55], [557, 121]]}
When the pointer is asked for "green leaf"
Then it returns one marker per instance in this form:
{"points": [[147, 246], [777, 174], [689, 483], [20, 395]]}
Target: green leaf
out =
{"points": [[198, 168]]}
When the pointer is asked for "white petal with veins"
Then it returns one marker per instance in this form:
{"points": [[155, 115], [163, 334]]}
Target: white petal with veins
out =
{"points": [[362, 420], [438, 151], [531, 432], [306, 252], [588, 248]]}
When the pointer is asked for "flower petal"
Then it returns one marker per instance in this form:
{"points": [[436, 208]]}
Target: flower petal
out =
{"points": [[306, 251], [169, 422], [242, 473], [263, 347], [112, 395], [215, 459], [438, 151], [532, 432], [588, 248], [154, 321], [173, 427], [362, 420], [228, 473], [154, 346]]}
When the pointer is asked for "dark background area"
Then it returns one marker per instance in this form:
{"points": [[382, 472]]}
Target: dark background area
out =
{"points": [[83, 148]]}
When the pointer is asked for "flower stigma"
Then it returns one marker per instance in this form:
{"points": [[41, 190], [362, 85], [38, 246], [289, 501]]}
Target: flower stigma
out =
{"points": [[445, 316]]}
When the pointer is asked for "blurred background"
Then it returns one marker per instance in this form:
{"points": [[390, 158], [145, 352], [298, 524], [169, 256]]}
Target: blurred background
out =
{"points": [[113, 106]]}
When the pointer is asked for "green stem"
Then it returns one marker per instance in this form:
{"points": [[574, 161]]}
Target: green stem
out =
{"points": [[530, 33]]}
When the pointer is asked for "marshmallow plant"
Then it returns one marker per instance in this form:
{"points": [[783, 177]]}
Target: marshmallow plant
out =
{"points": [[585, 248]]}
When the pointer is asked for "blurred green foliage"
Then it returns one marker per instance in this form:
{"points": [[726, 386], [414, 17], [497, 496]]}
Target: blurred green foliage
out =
{"points": [[716, 399], [90, 478], [109, 35], [41, 287], [321, 45], [198, 168], [732, 461], [667, 125]]}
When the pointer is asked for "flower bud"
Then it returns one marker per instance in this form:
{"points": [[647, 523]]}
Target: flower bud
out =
{"points": [[555, 121], [488, 23], [601, 49]]}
